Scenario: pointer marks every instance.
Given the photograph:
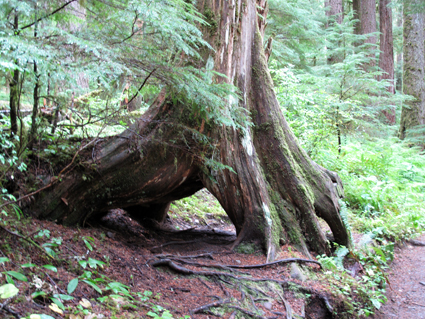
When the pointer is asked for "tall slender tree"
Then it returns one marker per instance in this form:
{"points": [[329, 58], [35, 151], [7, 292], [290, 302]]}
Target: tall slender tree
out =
{"points": [[386, 46], [413, 114]]}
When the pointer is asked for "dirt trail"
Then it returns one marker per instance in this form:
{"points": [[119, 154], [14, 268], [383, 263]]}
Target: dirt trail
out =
{"points": [[406, 297]]}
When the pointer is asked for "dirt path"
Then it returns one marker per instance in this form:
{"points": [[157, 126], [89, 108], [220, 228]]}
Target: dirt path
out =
{"points": [[406, 297]]}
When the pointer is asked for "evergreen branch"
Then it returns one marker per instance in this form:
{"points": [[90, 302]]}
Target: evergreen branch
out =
{"points": [[143, 84], [46, 16]]}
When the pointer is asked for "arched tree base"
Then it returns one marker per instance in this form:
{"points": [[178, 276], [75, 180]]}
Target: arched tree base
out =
{"points": [[273, 191]]}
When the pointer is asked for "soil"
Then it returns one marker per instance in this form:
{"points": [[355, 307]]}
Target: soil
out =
{"points": [[131, 251], [203, 284], [406, 295]]}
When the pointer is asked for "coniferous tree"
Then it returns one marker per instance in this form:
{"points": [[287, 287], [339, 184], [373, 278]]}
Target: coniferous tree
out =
{"points": [[413, 115], [269, 187], [386, 58]]}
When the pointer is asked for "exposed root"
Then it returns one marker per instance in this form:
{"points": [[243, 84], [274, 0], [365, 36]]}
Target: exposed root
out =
{"points": [[281, 261], [210, 305]]}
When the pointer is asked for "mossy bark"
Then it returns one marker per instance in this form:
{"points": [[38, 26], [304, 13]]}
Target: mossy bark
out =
{"points": [[413, 114], [275, 191]]}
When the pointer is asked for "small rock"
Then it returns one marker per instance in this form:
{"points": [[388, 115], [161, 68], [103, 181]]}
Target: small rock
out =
{"points": [[267, 305], [422, 283], [296, 272], [238, 261]]}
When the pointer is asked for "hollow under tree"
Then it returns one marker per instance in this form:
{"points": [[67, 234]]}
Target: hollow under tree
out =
{"points": [[274, 191]]}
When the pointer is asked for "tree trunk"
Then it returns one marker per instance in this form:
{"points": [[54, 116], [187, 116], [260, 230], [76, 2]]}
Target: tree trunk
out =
{"points": [[334, 14], [356, 16], [413, 69], [14, 90], [274, 191], [368, 24], [386, 58], [33, 131], [334, 9]]}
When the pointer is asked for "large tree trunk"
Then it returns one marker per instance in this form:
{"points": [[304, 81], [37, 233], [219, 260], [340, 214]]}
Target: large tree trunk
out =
{"points": [[275, 191], [386, 58], [413, 69], [365, 11]]}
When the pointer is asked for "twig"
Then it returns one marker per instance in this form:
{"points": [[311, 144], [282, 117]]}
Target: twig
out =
{"points": [[415, 303], [54, 284], [26, 239], [47, 15], [143, 84], [281, 261]]}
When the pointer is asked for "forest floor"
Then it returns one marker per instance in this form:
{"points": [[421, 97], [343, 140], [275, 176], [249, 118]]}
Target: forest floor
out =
{"points": [[204, 283], [406, 294]]}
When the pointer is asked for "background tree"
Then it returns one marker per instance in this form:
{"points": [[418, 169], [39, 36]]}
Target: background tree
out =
{"points": [[413, 114], [386, 57]]}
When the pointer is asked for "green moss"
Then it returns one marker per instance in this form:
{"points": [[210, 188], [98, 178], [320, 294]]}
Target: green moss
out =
{"points": [[211, 19], [247, 248]]}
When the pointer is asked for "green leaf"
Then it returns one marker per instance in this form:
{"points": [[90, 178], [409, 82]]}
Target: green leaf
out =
{"points": [[4, 259], [50, 267], [58, 303], [17, 275], [8, 291], [38, 294], [28, 265], [376, 303], [63, 297], [72, 285], [95, 287]]}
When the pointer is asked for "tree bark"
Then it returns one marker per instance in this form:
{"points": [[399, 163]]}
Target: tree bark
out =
{"points": [[33, 131], [334, 14], [14, 90], [413, 114], [274, 191], [386, 58], [368, 25], [334, 9]]}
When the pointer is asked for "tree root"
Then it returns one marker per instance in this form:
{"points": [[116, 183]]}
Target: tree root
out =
{"points": [[281, 261], [284, 284], [210, 305], [416, 242]]}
